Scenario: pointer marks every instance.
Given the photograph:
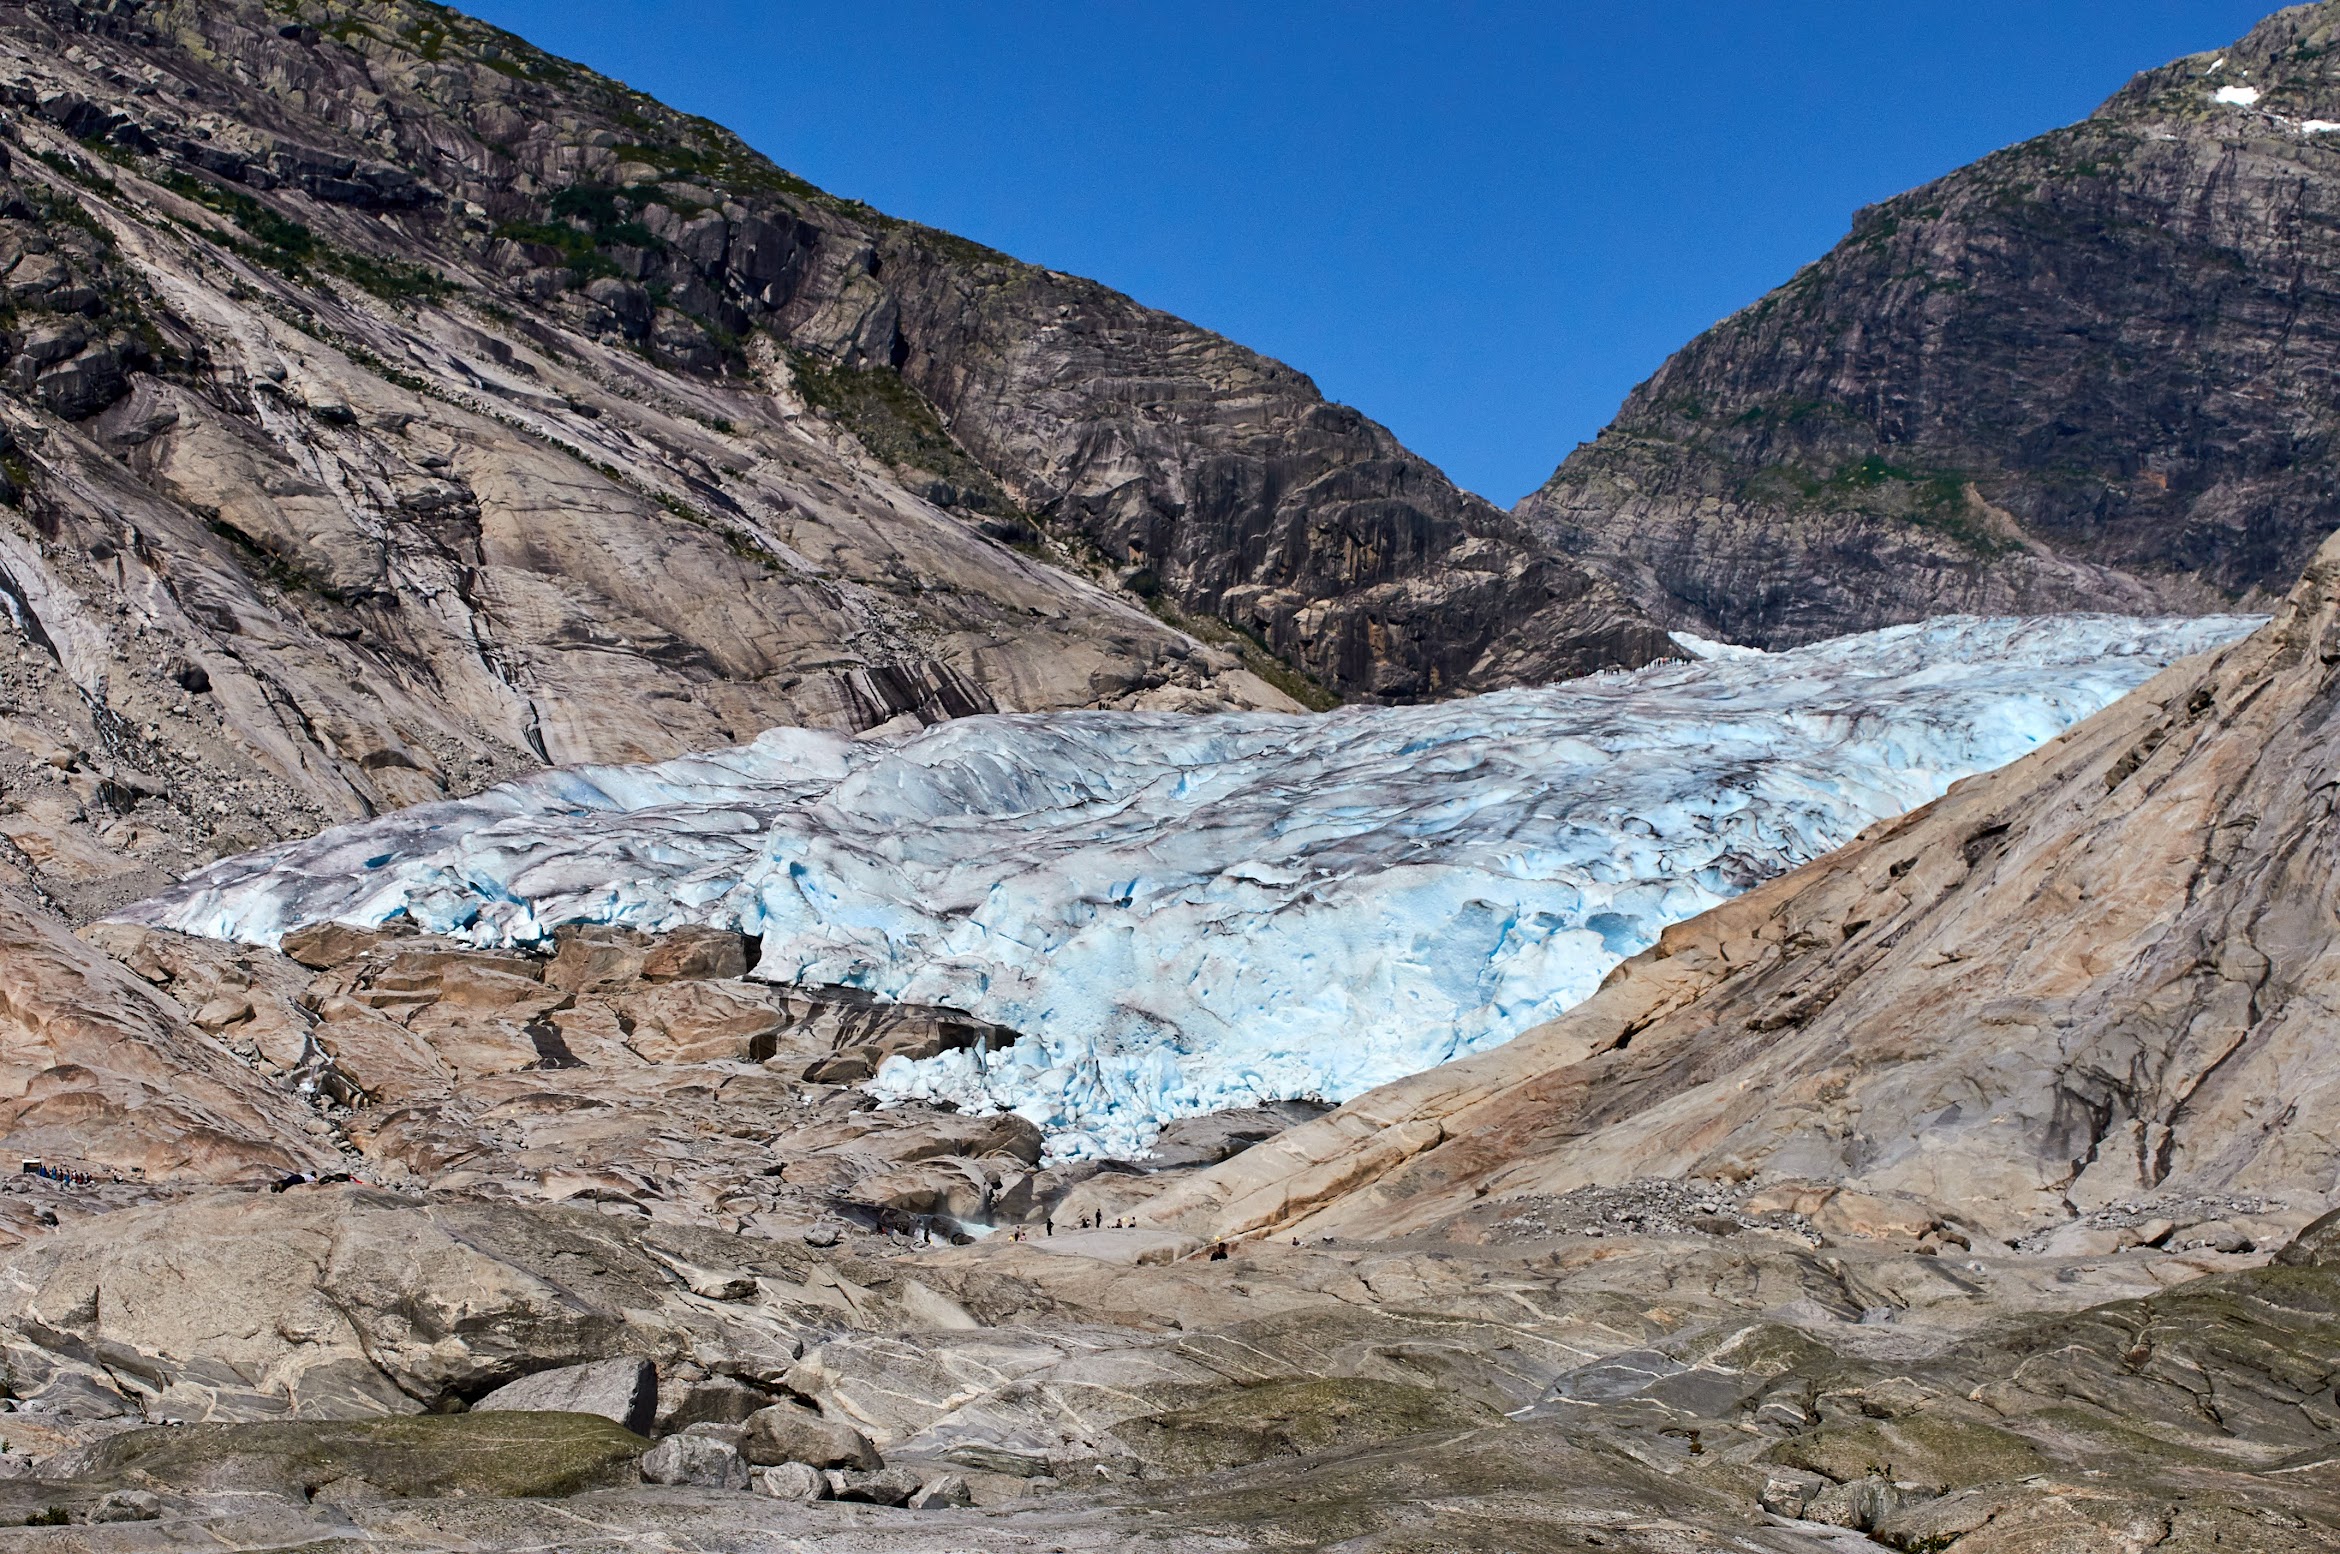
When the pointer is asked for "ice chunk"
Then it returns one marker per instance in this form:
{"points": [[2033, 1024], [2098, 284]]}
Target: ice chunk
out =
{"points": [[1706, 647], [1182, 914]]}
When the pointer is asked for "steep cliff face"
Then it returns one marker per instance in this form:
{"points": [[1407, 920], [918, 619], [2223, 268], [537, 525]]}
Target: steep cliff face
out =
{"points": [[386, 406], [2102, 974], [2093, 371]]}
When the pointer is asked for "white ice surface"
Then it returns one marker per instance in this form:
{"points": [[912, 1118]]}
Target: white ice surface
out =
{"points": [[2238, 96], [1186, 913]]}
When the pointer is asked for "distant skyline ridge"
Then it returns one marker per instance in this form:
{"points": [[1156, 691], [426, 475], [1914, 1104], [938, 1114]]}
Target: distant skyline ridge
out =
{"points": [[1482, 226]]}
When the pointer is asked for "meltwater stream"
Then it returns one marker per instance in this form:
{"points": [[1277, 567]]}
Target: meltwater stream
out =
{"points": [[1187, 913]]}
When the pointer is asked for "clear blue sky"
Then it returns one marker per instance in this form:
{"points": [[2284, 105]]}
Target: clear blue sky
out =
{"points": [[1480, 223]]}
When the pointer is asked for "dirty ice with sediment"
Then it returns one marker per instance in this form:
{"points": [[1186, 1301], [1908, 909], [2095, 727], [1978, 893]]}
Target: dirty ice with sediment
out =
{"points": [[1186, 913]]}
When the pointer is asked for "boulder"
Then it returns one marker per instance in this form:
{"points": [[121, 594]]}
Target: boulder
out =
{"points": [[691, 954], [322, 946], [1867, 1216], [344, 1301], [786, 1432], [2316, 1246], [792, 1481], [719, 1400], [695, 1459], [593, 957], [425, 1455], [127, 1505], [701, 1022], [942, 1492], [949, 1185], [623, 1391], [1786, 1491], [885, 1486]]}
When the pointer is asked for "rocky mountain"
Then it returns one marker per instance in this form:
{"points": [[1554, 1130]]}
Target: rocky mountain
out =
{"points": [[1967, 1189], [389, 406], [2091, 371]]}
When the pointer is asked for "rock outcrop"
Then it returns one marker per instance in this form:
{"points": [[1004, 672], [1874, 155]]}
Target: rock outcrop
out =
{"points": [[1660, 1391], [100, 1070], [2083, 373]]}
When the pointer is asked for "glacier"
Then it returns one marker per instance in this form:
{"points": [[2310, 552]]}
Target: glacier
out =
{"points": [[1183, 913]]}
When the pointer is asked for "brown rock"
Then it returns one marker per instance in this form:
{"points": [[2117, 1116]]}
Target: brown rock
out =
{"points": [[701, 1022], [696, 953], [325, 945], [595, 958], [99, 1070], [1874, 1216]]}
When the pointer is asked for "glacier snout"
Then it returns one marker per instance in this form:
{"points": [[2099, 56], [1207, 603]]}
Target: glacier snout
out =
{"points": [[1187, 913]]}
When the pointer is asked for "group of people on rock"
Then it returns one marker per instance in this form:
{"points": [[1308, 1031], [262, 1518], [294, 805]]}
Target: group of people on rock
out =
{"points": [[925, 1229], [63, 1175]]}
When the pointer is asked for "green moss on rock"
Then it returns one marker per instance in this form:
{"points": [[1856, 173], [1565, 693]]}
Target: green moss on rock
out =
{"points": [[500, 1456], [1227, 1427], [1932, 1448]]}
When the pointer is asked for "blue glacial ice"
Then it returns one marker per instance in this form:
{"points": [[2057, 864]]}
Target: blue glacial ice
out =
{"points": [[1185, 913]]}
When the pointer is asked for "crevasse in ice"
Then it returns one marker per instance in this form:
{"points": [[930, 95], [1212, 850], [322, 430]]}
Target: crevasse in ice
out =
{"points": [[1186, 913]]}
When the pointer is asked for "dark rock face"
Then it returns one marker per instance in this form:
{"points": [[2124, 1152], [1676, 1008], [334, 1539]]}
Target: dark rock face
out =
{"points": [[1230, 486], [2088, 372]]}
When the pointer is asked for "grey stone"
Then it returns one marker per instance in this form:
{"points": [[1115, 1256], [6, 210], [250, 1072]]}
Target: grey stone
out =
{"points": [[786, 1432], [884, 1486], [624, 1390], [792, 1481], [1788, 1492], [940, 1492], [695, 1459], [127, 1505], [718, 1400]]}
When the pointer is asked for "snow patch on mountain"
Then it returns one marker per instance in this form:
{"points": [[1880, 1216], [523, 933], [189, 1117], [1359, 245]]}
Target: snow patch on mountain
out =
{"points": [[1187, 913]]}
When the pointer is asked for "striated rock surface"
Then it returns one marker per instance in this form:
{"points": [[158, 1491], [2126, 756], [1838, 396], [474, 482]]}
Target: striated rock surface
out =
{"points": [[2087, 371], [99, 1069]]}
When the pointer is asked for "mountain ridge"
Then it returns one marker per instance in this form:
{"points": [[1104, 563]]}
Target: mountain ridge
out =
{"points": [[381, 423], [2087, 371]]}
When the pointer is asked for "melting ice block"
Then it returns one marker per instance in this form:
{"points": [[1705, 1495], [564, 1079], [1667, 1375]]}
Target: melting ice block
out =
{"points": [[1187, 913]]}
